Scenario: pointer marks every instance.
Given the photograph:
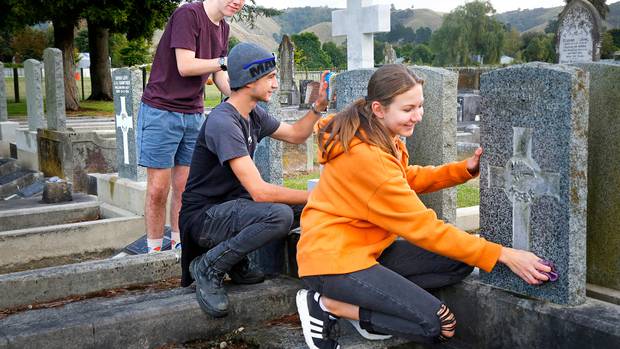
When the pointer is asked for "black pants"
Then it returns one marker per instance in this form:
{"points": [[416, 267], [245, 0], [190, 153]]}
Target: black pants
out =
{"points": [[248, 226], [391, 295]]}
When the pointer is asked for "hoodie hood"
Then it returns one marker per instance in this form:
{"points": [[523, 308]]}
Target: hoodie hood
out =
{"points": [[338, 149]]}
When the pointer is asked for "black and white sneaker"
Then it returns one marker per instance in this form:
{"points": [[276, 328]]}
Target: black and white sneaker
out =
{"points": [[369, 335], [319, 327]]}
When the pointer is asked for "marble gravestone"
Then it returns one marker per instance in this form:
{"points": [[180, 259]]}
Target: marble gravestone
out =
{"points": [[4, 115], [359, 21], [127, 91], [34, 94], [533, 177], [579, 33], [54, 90]]}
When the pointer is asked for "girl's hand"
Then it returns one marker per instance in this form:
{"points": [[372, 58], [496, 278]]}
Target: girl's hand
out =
{"points": [[525, 265], [473, 163]]}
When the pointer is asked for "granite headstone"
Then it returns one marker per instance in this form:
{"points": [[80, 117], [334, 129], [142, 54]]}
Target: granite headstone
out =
{"points": [[603, 238], [127, 91], [268, 160], [579, 33], [54, 89], [4, 115], [34, 94], [533, 184], [351, 85], [434, 139]]}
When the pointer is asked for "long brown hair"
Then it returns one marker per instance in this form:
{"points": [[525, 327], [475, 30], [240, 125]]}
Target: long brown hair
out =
{"points": [[358, 120]]}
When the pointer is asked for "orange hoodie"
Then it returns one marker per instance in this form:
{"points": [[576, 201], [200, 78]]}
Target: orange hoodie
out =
{"points": [[366, 198]]}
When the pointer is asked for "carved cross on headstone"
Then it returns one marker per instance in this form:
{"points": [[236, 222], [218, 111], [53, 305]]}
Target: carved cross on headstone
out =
{"points": [[125, 122], [523, 181], [358, 22]]}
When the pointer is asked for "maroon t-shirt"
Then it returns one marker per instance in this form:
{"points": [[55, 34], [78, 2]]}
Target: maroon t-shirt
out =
{"points": [[190, 28]]}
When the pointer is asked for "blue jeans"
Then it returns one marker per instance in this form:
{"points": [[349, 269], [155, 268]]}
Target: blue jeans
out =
{"points": [[391, 295], [165, 139], [247, 226]]}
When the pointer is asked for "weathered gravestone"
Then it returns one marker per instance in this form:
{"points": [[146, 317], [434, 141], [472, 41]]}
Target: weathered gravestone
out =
{"points": [[268, 159], [286, 63], [434, 139], [389, 54], [579, 33], [312, 93], [359, 22], [54, 89], [4, 114], [127, 90], [603, 237], [34, 94], [533, 191], [469, 106], [351, 85]]}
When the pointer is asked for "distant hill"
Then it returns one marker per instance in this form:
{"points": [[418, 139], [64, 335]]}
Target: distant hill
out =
{"points": [[294, 20], [265, 33], [423, 18], [324, 31]]}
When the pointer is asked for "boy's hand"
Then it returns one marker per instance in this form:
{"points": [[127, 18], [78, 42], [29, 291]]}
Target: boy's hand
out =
{"points": [[473, 163]]}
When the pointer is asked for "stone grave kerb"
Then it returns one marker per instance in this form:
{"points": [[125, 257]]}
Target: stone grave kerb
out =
{"points": [[578, 37], [359, 21]]}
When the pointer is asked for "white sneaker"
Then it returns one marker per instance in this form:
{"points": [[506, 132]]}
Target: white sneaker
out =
{"points": [[368, 335]]}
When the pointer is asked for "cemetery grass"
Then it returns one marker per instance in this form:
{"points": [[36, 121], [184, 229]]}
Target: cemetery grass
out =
{"points": [[467, 194], [18, 111]]}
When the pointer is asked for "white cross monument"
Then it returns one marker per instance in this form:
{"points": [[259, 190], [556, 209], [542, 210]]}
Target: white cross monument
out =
{"points": [[358, 22], [125, 122], [523, 181]]}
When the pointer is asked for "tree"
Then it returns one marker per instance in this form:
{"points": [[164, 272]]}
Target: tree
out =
{"points": [[615, 34], [337, 54], [28, 43], [121, 16], [467, 31], [607, 46], [232, 42], [423, 35], [311, 46], [539, 47], [512, 42], [421, 54]]}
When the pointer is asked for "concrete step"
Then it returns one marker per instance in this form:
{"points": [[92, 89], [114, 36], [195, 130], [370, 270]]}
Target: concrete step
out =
{"points": [[13, 182], [31, 213], [8, 166], [145, 319], [54, 283]]}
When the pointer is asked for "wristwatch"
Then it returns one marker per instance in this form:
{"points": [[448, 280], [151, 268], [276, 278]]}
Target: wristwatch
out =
{"points": [[316, 111], [222, 61]]}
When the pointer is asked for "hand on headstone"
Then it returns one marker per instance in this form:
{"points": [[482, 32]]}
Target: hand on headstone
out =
{"points": [[525, 265], [473, 163], [321, 102]]}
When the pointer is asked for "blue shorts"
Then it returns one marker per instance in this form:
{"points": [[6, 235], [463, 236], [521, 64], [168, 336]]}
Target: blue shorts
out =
{"points": [[166, 139]]}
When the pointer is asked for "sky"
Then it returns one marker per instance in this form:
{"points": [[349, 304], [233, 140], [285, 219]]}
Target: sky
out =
{"points": [[436, 5]]}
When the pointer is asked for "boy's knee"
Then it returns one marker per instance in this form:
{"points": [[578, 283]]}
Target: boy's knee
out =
{"points": [[282, 217]]}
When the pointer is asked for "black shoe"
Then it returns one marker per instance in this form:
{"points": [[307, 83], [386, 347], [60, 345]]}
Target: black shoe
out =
{"points": [[246, 273], [320, 328], [210, 291]]}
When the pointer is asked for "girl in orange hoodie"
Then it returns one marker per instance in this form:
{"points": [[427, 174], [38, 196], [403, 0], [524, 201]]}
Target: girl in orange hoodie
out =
{"points": [[349, 254]]}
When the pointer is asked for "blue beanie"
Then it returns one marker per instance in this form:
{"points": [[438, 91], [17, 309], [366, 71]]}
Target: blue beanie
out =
{"points": [[247, 63]]}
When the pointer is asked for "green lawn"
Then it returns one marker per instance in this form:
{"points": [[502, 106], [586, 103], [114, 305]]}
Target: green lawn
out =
{"points": [[467, 194]]}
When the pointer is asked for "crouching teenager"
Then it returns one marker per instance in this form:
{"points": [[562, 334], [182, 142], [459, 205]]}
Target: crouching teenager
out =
{"points": [[228, 210], [349, 254]]}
